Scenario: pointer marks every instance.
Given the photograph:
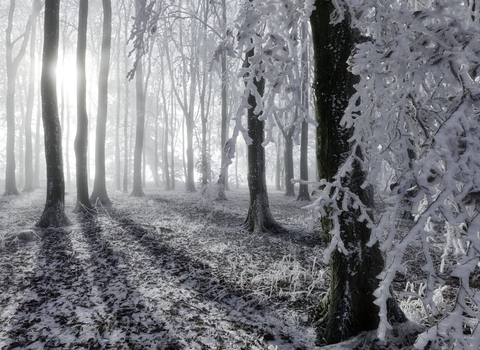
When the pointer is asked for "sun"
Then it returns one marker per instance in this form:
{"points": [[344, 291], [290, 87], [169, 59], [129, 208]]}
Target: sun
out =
{"points": [[67, 74]]}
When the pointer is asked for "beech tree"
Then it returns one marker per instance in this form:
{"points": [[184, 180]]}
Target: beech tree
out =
{"points": [[99, 192], [349, 307], [13, 63], [54, 211], [29, 175], [259, 217], [81, 139], [303, 193], [415, 109]]}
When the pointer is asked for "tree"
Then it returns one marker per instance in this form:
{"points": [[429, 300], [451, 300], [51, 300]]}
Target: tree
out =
{"points": [[223, 181], [137, 190], [417, 99], [287, 132], [259, 218], [99, 192], [303, 193], [29, 178], [349, 306], [13, 63], [54, 211], [81, 139]]}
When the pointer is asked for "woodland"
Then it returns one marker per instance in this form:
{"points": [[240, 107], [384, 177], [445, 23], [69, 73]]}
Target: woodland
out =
{"points": [[251, 174]]}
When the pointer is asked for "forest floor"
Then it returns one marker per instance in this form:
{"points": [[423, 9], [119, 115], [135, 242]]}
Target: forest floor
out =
{"points": [[171, 270]]}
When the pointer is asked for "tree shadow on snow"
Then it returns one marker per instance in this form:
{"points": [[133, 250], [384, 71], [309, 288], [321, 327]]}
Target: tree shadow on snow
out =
{"points": [[126, 316], [211, 292], [80, 298], [46, 313]]}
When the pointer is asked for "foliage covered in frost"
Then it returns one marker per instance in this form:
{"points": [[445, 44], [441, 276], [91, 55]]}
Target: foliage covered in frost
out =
{"points": [[416, 116], [271, 29]]}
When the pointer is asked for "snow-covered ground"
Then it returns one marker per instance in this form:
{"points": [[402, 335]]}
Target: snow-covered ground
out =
{"points": [[171, 270]]}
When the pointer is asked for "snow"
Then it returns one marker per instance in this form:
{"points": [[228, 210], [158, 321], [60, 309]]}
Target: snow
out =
{"points": [[171, 270]]}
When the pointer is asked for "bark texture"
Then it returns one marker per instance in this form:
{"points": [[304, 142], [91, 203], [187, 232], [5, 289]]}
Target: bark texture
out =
{"points": [[259, 217], [348, 308], [303, 194], [54, 212], [99, 192], [81, 139]]}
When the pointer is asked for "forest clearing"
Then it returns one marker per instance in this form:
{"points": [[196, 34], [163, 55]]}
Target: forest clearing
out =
{"points": [[172, 270]]}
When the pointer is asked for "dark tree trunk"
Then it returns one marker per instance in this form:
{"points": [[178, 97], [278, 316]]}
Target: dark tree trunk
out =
{"points": [[287, 156], [289, 186], [348, 308], [303, 193], [259, 218], [99, 192], [54, 212], [81, 139], [279, 163]]}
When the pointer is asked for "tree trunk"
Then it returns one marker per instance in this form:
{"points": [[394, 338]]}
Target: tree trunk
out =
{"points": [[166, 132], [139, 134], [190, 183], [279, 163], [172, 147], [224, 185], [29, 185], [81, 139], [127, 102], [348, 307], [99, 192], [289, 186], [259, 218], [54, 212], [12, 64], [156, 163], [36, 172], [303, 194], [118, 175]]}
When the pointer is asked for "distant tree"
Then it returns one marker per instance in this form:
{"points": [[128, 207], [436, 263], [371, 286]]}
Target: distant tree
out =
{"points": [[137, 190], [99, 192], [223, 180], [259, 218], [13, 63], [126, 159], [303, 193], [81, 139], [54, 212], [29, 176], [287, 132]]}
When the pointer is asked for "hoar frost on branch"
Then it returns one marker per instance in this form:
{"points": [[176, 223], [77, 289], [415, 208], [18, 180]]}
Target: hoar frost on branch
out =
{"points": [[271, 29], [416, 113]]}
